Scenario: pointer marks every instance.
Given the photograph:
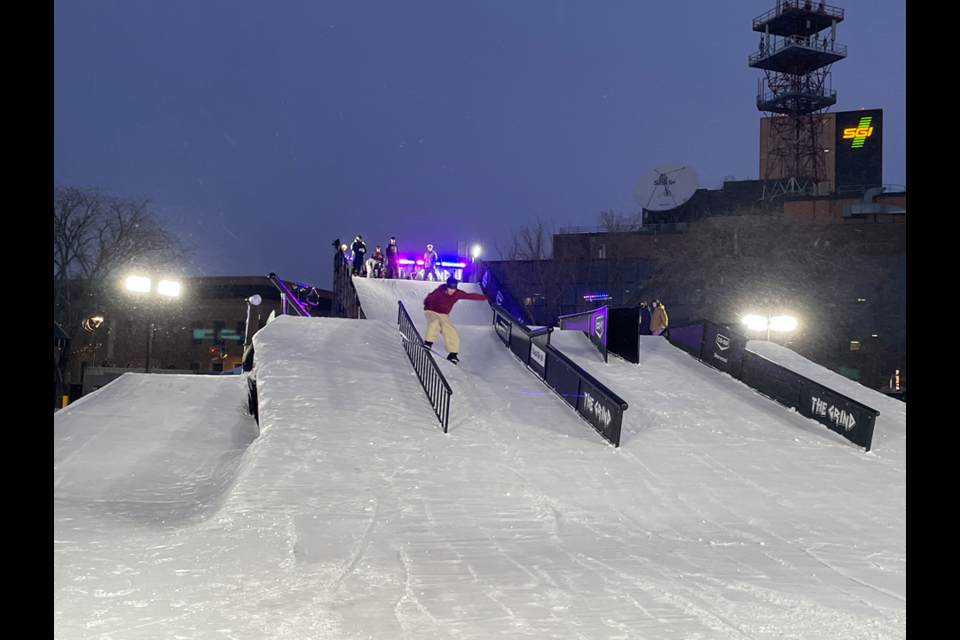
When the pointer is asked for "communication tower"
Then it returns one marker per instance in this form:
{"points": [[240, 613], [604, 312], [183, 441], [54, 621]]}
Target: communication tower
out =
{"points": [[796, 91]]}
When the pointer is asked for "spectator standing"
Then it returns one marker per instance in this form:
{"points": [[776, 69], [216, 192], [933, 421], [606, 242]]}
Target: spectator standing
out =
{"points": [[644, 319], [393, 259], [658, 319], [430, 260], [359, 254]]}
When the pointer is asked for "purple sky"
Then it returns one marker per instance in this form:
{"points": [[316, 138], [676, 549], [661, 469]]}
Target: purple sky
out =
{"points": [[262, 131]]}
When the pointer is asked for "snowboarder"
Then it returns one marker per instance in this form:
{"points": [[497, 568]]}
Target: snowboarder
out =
{"points": [[393, 259], [375, 264], [436, 308], [430, 260], [359, 251]]}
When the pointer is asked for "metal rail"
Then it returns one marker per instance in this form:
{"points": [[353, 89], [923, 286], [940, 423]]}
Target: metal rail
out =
{"points": [[431, 379]]}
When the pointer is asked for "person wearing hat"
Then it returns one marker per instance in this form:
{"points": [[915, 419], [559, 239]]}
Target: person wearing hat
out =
{"points": [[658, 319], [436, 308], [430, 260]]}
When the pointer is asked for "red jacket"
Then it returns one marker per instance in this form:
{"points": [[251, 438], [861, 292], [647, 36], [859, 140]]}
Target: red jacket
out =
{"points": [[440, 302]]}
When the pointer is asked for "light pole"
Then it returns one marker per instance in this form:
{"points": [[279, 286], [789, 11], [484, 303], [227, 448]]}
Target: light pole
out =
{"points": [[767, 323], [166, 289]]}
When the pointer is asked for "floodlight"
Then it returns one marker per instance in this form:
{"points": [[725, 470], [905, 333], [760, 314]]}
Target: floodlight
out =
{"points": [[255, 300], [755, 323], [138, 284], [169, 288], [476, 251], [783, 323]]}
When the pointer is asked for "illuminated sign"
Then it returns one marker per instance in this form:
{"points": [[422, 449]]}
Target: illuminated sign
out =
{"points": [[860, 133], [859, 149]]}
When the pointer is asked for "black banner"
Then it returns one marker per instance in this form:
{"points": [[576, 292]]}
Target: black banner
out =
{"points": [[596, 404], [500, 296], [725, 350], [623, 331], [771, 379], [600, 411], [722, 348], [849, 418], [503, 325], [688, 337]]}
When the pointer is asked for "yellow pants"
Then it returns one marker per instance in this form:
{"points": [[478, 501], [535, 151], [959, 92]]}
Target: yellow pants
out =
{"points": [[439, 323]]}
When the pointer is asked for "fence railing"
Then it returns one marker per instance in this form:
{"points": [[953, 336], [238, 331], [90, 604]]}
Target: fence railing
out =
{"points": [[290, 304], [346, 302], [591, 399], [434, 384], [725, 350]]}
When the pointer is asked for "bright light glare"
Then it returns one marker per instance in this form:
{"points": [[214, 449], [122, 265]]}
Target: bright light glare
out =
{"points": [[783, 323], [139, 284], [168, 288], [476, 251], [755, 323]]}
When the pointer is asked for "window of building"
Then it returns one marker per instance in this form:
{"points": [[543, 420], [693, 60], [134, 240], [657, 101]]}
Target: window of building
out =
{"points": [[196, 333], [218, 332]]}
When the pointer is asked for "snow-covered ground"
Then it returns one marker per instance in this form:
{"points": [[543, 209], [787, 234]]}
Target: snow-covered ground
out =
{"points": [[722, 515]]}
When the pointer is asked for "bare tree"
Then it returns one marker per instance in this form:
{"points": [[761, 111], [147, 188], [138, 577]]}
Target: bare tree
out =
{"points": [[536, 280], [95, 237]]}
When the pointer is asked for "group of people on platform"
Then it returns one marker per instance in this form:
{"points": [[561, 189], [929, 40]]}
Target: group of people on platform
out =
{"points": [[386, 263]]}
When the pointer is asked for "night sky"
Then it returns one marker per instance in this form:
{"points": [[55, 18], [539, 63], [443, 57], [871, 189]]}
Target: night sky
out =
{"points": [[263, 131]]}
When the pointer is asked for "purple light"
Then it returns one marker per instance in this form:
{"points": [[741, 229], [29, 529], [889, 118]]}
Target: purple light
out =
{"points": [[596, 296], [459, 265]]}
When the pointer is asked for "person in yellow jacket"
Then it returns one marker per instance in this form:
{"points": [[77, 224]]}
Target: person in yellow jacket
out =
{"points": [[658, 319]]}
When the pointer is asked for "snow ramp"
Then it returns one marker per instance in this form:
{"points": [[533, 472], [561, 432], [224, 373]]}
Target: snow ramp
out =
{"points": [[353, 517]]}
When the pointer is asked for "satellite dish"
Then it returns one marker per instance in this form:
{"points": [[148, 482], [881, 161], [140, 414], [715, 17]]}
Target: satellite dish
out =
{"points": [[666, 186]]}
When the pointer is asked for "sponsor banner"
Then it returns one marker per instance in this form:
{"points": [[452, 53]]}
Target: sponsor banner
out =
{"points": [[850, 419], [600, 411], [563, 379], [688, 337], [593, 323], [503, 327], [497, 294], [538, 360], [771, 379], [722, 348], [598, 326]]}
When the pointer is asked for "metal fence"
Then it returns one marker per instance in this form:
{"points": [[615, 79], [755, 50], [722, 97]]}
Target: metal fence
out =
{"points": [[434, 384]]}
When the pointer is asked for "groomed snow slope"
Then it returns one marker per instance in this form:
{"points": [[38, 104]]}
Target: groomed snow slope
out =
{"points": [[353, 516]]}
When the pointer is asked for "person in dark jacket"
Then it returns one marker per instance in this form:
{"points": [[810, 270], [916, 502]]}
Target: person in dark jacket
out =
{"points": [[392, 257], [359, 252], [644, 319], [436, 308]]}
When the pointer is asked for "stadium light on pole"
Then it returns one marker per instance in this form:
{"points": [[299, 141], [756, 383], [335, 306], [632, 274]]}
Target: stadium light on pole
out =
{"points": [[767, 323], [166, 288]]}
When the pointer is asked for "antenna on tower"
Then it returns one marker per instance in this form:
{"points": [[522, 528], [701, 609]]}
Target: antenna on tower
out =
{"points": [[797, 49]]}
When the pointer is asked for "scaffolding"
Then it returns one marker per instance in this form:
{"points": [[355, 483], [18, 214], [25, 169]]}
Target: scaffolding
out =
{"points": [[796, 53]]}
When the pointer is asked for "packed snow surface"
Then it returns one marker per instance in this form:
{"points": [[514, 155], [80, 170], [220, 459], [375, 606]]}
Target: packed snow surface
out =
{"points": [[351, 515]]}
